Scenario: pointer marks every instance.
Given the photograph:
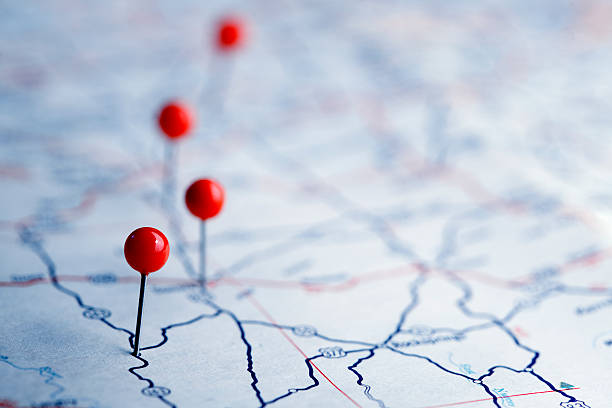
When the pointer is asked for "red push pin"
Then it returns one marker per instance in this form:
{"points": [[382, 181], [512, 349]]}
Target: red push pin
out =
{"points": [[204, 199], [175, 121], [146, 250], [229, 34]]}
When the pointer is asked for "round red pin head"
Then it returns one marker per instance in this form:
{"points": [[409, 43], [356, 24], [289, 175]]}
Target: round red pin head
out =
{"points": [[229, 34], [146, 250], [175, 120], [204, 198]]}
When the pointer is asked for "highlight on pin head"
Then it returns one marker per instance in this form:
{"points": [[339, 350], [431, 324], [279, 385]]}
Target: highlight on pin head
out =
{"points": [[146, 250], [204, 198], [175, 119]]}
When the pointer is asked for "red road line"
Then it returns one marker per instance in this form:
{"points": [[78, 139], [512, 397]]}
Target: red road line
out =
{"points": [[590, 259], [488, 279], [580, 262], [263, 311], [14, 172], [83, 278], [453, 404], [519, 330], [5, 403], [24, 283], [313, 287]]}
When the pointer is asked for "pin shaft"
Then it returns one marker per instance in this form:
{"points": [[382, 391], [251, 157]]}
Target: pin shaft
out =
{"points": [[169, 183], [203, 254], [143, 280]]}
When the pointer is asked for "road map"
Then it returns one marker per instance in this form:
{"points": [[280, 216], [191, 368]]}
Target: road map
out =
{"points": [[418, 204]]}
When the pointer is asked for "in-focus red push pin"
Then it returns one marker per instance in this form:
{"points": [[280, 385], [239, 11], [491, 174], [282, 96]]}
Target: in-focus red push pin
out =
{"points": [[175, 121], [146, 250], [204, 199], [230, 33]]}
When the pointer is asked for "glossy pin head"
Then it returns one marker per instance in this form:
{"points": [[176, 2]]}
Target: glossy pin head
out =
{"points": [[146, 250], [175, 120], [204, 198], [229, 34]]}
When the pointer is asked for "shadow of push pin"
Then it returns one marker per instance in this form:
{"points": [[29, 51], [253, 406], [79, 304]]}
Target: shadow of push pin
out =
{"points": [[204, 199], [146, 250]]}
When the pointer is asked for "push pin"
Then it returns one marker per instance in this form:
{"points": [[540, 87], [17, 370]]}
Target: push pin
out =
{"points": [[146, 250]]}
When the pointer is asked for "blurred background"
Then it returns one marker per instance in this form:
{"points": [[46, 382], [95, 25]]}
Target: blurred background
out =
{"points": [[430, 78]]}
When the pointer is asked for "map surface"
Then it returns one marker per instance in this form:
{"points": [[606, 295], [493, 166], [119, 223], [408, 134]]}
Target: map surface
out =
{"points": [[418, 204]]}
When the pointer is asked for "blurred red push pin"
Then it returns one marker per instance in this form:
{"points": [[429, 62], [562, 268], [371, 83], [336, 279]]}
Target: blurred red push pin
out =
{"points": [[175, 120], [146, 250], [230, 33], [204, 199]]}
